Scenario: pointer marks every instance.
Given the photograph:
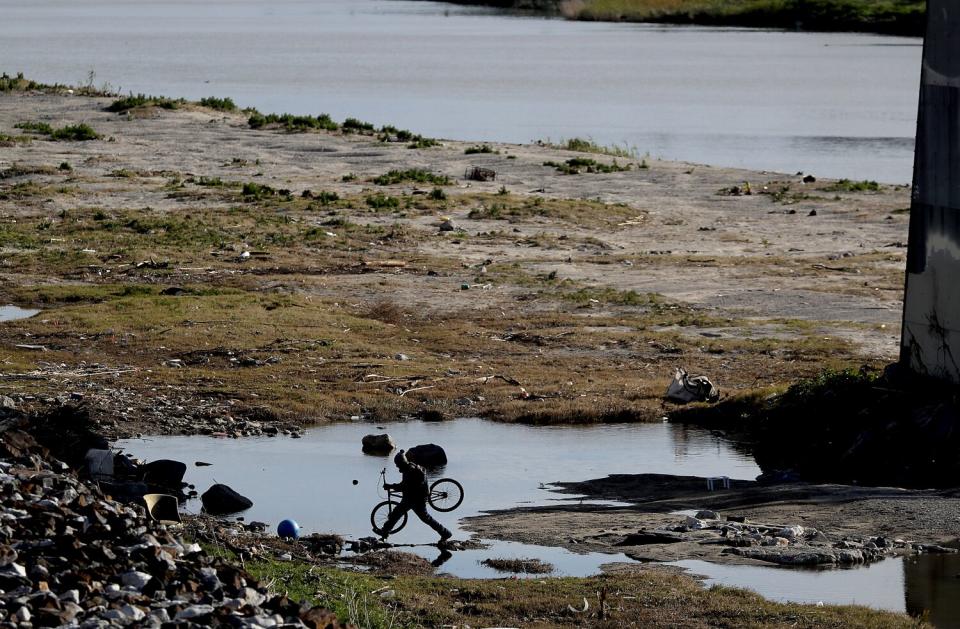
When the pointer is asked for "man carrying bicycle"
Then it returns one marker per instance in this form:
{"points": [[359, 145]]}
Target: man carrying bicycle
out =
{"points": [[415, 491]]}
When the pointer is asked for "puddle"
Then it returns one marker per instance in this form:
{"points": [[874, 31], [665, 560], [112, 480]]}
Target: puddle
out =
{"points": [[13, 313], [500, 466], [917, 585], [505, 465]]}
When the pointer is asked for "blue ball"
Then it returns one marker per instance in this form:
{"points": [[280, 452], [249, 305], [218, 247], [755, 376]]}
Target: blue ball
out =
{"points": [[288, 528]]}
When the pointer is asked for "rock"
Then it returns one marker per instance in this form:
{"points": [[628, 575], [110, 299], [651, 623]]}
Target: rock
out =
{"points": [[193, 612], [134, 579], [447, 226], [165, 473], [707, 514], [427, 455], [221, 500], [380, 445], [791, 532]]}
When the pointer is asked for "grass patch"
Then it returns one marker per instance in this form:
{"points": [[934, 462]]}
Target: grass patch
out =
{"points": [[423, 143], [71, 133], [220, 104], [381, 201], [582, 145], [416, 175], [847, 185], [292, 123], [253, 191], [579, 165], [480, 149], [139, 101], [640, 599], [352, 125]]}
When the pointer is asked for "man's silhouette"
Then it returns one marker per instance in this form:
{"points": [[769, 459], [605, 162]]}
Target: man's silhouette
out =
{"points": [[415, 491]]}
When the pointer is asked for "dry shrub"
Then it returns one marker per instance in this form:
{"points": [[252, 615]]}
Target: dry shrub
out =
{"points": [[387, 311]]}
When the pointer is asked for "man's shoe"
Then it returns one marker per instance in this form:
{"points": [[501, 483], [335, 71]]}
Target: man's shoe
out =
{"points": [[445, 536]]}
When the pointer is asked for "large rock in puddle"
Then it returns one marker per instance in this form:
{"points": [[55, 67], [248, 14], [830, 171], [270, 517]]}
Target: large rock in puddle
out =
{"points": [[221, 500]]}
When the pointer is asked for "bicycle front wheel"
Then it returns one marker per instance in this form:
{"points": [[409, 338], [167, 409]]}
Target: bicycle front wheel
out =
{"points": [[380, 513], [446, 494]]}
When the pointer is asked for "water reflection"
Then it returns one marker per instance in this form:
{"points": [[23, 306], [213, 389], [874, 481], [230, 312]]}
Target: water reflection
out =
{"points": [[933, 585]]}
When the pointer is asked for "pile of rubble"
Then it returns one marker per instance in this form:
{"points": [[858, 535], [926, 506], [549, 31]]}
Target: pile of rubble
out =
{"points": [[70, 555]]}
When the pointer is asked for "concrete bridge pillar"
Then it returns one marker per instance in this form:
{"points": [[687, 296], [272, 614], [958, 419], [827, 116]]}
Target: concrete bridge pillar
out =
{"points": [[930, 342]]}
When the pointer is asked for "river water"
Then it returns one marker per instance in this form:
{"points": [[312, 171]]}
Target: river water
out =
{"points": [[837, 105]]}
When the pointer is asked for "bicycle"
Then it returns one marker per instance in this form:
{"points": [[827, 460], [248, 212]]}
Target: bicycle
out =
{"points": [[445, 495]]}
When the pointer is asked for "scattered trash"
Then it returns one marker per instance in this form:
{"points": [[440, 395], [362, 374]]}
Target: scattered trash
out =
{"points": [[586, 606], [35, 348], [717, 481], [163, 508], [686, 388], [288, 529]]}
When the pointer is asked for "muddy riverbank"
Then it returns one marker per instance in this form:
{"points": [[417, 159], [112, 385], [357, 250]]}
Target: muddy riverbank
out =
{"points": [[655, 527], [200, 276]]}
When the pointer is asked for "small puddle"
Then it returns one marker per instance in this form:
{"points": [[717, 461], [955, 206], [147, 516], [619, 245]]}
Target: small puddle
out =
{"points": [[13, 313], [500, 466]]}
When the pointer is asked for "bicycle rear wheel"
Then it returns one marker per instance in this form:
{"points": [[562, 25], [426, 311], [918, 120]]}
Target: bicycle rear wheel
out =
{"points": [[446, 494], [380, 513]]}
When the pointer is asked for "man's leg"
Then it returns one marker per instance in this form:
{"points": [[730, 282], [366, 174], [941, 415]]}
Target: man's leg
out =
{"points": [[426, 518], [392, 519]]}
